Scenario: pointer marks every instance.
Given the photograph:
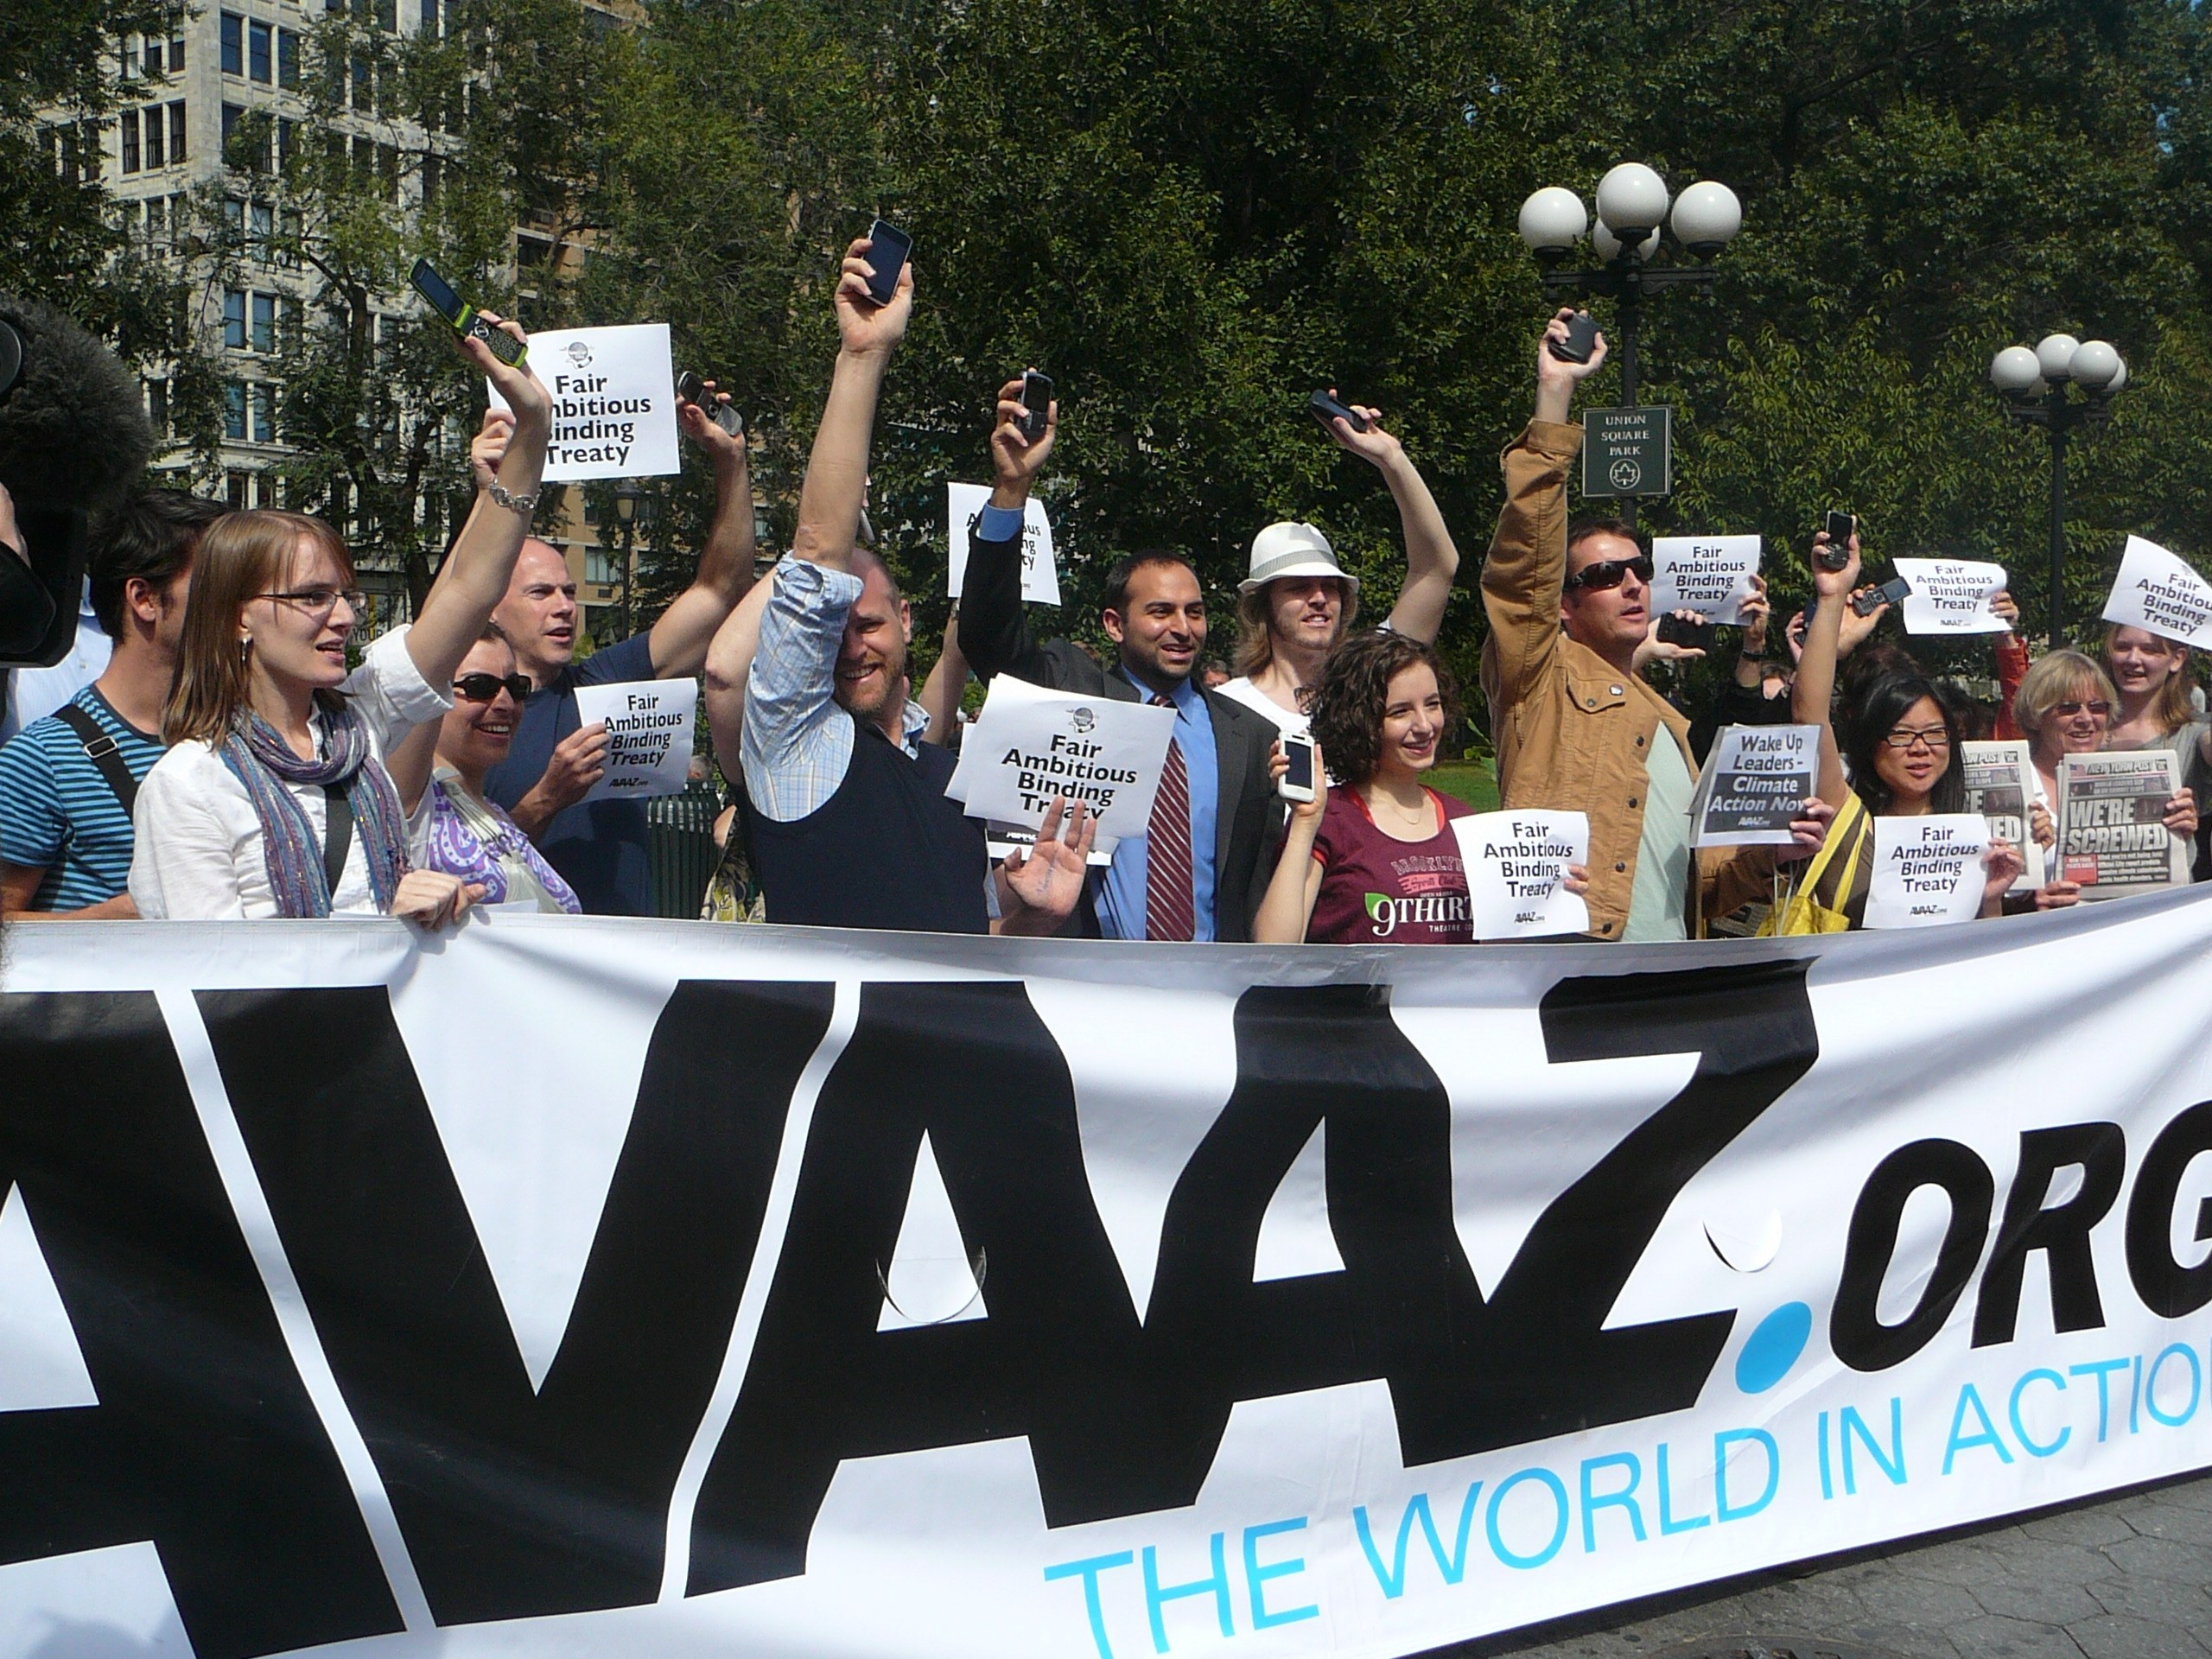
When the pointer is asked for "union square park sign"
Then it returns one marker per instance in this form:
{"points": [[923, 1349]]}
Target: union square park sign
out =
{"points": [[591, 1287]]}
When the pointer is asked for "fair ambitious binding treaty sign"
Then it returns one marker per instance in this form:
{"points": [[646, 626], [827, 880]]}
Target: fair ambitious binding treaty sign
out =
{"points": [[597, 1287]]}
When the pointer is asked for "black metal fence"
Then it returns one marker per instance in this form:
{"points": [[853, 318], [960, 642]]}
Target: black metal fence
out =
{"points": [[680, 838]]}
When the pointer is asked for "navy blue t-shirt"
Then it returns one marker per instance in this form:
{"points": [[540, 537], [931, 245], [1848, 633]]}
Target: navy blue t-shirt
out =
{"points": [[599, 847]]}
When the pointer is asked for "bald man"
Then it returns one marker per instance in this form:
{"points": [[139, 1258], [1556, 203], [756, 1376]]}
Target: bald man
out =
{"points": [[600, 848]]}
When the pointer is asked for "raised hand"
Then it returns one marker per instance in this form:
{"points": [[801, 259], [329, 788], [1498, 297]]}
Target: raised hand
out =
{"points": [[518, 383], [864, 328], [1016, 461], [724, 449], [1374, 446], [1303, 812], [1752, 613], [1655, 650], [1049, 877], [1834, 585], [489, 446]]}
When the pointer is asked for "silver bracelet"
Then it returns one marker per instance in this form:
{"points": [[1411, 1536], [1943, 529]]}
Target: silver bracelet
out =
{"points": [[525, 505]]}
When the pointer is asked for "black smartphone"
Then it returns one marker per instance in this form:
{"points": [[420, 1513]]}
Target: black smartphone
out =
{"points": [[1325, 408], [1841, 527], [1036, 404], [887, 248], [1891, 591], [463, 317], [1297, 781], [1581, 339], [692, 390], [1679, 630]]}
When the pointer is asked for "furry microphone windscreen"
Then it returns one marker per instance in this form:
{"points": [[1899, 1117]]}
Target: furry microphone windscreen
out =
{"points": [[74, 432]]}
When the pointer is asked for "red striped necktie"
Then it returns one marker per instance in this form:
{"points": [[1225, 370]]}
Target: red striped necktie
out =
{"points": [[1170, 911]]}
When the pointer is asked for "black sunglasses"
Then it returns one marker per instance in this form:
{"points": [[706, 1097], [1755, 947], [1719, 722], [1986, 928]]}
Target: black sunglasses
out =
{"points": [[1609, 573], [482, 688]]}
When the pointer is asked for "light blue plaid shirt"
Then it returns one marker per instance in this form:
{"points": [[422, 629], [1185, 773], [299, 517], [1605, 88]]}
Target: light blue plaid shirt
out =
{"points": [[797, 743]]}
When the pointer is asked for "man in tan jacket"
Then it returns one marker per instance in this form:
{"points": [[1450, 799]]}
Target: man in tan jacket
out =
{"points": [[1575, 728]]}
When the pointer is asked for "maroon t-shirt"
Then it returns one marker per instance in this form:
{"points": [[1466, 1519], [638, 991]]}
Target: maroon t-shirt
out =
{"points": [[1378, 889]]}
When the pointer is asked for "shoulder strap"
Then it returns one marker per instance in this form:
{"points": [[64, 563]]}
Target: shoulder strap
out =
{"points": [[103, 752], [337, 836]]}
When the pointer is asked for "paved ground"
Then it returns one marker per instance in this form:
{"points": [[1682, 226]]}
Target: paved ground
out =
{"points": [[2125, 1578]]}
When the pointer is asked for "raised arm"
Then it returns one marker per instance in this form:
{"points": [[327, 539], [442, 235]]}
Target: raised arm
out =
{"points": [[948, 679], [475, 576], [1286, 909], [729, 664], [1525, 574], [1432, 559], [679, 640], [1812, 700], [837, 473], [994, 634]]}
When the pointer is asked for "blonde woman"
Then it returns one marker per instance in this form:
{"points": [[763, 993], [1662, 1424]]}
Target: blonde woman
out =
{"points": [[274, 799]]}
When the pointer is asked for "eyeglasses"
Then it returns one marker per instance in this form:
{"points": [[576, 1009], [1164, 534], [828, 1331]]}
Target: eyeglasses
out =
{"points": [[2099, 706], [1609, 573], [321, 601], [482, 688], [1930, 738]]}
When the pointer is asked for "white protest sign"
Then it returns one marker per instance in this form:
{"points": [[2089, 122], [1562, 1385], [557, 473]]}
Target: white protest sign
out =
{"points": [[1926, 870], [2158, 592], [1030, 746], [1516, 869], [613, 401], [1040, 572], [1952, 595], [1755, 781], [648, 735], [1710, 574]]}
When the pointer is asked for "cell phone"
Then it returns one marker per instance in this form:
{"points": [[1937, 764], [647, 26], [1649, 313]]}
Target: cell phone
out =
{"points": [[1677, 631], [1325, 408], [1841, 527], [692, 390], [887, 248], [465, 319], [1581, 339], [1891, 591], [1036, 404], [1297, 783]]}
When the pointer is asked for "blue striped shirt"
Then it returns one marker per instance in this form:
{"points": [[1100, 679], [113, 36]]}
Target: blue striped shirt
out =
{"points": [[57, 813]]}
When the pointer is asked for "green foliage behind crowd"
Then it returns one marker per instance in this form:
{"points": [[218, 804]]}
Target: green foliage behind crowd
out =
{"points": [[1192, 214]]}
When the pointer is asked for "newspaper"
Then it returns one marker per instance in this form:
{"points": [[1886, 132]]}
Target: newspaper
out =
{"points": [[2001, 786], [1754, 783], [2112, 833]]}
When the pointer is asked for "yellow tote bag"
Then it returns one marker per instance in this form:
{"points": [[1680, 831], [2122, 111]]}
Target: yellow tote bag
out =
{"points": [[1816, 903]]}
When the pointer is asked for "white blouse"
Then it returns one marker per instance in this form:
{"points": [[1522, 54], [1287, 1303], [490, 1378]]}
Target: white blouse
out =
{"points": [[199, 854]]}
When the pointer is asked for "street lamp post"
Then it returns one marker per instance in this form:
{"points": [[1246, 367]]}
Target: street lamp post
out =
{"points": [[2033, 385], [628, 498], [1632, 207]]}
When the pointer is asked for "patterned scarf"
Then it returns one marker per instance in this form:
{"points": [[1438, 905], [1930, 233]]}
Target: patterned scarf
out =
{"points": [[459, 846], [264, 763]]}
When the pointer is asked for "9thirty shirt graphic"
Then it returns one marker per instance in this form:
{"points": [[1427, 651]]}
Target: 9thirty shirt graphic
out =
{"points": [[1375, 887]]}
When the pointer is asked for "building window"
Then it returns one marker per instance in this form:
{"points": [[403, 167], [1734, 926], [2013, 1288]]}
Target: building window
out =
{"points": [[234, 319], [284, 131], [432, 175], [176, 132], [153, 114], [259, 65], [364, 91], [264, 316], [601, 566], [233, 44], [157, 406], [288, 58], [261, 224], [176, 46], [129, 129], [232, 114], [387, 16], [264, 413], [429, 23], [157, 220], [234, 423]]}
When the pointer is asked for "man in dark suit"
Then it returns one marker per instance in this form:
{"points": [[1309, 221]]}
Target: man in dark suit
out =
{"points": [[1202, 868]]}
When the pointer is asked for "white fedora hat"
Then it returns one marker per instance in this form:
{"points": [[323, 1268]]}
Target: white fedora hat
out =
{"points": [[1291, 549]]}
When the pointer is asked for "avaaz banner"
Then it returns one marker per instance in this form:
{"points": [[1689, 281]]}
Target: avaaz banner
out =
{"points": [[600, 1287]]}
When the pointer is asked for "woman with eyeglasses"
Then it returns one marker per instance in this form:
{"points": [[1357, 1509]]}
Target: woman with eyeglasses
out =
{"points": [[455, 828], [274, 798], [2064, 706], [1893, 750]]}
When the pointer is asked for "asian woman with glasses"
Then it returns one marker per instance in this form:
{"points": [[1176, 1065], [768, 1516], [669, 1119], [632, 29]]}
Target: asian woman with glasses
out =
{"points": [[275, 799], [1898, 754]]}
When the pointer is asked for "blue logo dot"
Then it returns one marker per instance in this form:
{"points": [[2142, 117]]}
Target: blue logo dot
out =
{"points": [[1774, 1347]]}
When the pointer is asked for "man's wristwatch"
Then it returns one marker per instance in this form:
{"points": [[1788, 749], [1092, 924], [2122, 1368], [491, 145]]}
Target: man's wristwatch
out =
{"points": [[525, 505]]}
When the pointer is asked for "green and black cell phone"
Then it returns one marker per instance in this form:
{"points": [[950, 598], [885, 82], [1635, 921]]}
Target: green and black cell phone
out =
{"points": [[467, 320]]}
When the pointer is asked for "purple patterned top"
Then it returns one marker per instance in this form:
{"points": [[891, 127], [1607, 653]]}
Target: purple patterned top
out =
{"points": [[478, 842]]}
